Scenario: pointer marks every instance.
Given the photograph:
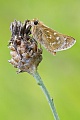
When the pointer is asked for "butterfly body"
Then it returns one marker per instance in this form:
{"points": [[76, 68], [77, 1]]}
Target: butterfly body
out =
{"points": [[51, 39]]}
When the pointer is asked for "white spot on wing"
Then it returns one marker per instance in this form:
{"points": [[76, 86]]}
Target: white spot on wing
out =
{"points": [[65, 38], [49, 37], [53, 43], [55, 33], [57, 38]]}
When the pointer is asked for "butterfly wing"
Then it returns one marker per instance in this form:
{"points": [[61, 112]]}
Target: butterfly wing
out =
{"points": [[51, 39], [55, 41]]}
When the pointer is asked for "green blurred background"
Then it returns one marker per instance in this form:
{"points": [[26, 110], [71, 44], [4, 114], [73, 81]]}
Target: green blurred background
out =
{"points": [[20, 96]]}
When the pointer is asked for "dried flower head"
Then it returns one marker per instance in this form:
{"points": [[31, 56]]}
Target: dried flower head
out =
{"points": [[25, 52]]}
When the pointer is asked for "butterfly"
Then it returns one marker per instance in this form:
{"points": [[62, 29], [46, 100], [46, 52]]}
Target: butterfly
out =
{"points": [[52, 40]]}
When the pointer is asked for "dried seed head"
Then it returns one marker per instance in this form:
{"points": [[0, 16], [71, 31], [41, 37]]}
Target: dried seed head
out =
{"points": [[25, 53]]}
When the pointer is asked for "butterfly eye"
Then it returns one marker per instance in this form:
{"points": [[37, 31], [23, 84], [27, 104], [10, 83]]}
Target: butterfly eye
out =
{"points": [[35, 22]]}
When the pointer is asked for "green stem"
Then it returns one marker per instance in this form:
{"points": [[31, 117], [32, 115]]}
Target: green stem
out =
{"points": [[46, 93]]}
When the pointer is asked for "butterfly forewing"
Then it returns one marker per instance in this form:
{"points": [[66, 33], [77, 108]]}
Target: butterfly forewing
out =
{"points": [[51, 39]]}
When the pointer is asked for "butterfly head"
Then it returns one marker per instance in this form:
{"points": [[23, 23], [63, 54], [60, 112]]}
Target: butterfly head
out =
{"points": [[34, 22]]}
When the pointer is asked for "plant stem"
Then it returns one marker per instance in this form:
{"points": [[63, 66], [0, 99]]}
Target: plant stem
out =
{"points": [[46, 93]]}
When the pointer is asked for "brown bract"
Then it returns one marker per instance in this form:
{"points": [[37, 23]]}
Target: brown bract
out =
{"points": [[25, 52]]}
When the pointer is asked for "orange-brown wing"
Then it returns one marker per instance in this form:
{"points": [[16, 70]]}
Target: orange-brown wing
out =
{"points": [[55, 41]]}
